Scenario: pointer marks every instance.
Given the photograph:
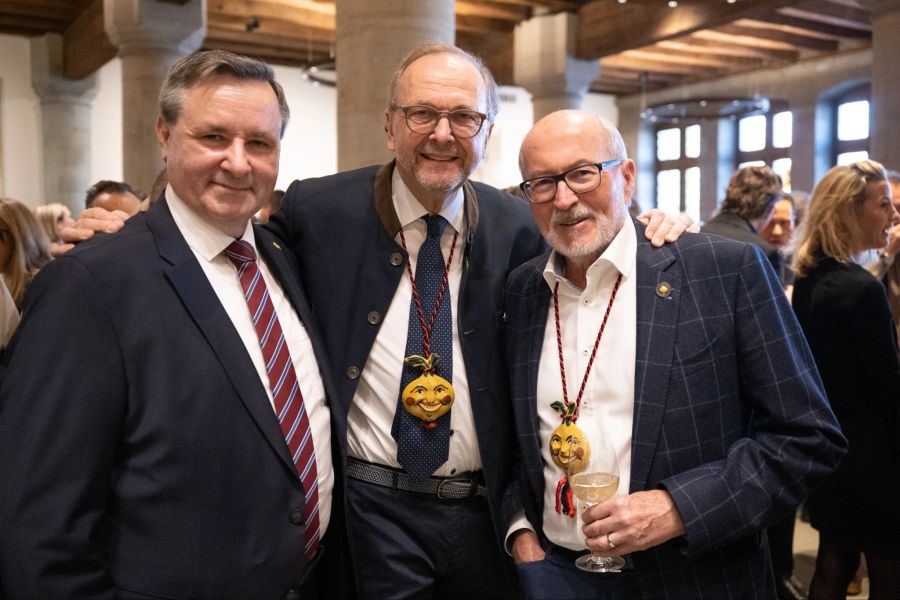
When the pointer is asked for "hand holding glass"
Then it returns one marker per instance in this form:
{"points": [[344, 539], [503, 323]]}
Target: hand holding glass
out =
{"points": [[597, 482]]}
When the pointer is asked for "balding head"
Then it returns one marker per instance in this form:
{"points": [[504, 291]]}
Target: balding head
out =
{"points": [[570, 125]]}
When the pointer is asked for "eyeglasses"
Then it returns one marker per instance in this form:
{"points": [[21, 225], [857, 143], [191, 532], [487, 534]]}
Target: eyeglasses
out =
{"points": [[423, 119], [581, 180]]}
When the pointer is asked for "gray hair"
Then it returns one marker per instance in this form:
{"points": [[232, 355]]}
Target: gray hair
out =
{"points": [[201, 66], [429, 48]]}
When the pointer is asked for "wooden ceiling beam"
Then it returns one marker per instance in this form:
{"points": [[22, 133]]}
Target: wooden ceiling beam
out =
{"points": [[722, 50], [751, 30], [303, 14], [271, 27], [483, 24], [835, 13], [552, 5], [635, 64], [708, 59], [740, 43], [799, 24], [513, 13], [86, 47], [606, 28], [218, 33]]}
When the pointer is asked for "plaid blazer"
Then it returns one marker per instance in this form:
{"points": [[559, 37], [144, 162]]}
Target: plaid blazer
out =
{"points": [[730, 416]]}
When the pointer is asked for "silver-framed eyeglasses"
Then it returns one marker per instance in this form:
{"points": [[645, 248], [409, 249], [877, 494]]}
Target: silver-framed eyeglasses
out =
{"points": [[421, 119], [581, 180]]}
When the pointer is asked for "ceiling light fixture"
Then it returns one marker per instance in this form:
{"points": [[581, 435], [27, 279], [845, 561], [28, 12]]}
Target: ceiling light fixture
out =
{"points": [[673, 3]]}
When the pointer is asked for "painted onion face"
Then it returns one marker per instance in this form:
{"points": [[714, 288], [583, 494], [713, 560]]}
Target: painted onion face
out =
{"points": [[569, 448], [428, 397]]}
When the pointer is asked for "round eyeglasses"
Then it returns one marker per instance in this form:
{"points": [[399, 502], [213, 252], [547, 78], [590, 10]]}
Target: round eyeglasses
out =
{"points": [[423, 120], [581, 180]]}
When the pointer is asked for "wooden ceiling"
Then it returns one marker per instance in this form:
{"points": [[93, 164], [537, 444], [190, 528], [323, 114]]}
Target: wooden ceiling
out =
{"points": [[641, 44]]}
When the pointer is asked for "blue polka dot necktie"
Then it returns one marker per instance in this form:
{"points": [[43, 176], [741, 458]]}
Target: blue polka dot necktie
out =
{"points": [[420, 450]]}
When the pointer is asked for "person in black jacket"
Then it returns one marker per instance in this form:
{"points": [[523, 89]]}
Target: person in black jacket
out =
{"points": [[844, 313], [747, 208]]}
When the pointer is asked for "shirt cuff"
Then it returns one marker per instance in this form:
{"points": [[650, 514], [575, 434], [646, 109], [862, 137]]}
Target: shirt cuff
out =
{"points": [[517, 523]]}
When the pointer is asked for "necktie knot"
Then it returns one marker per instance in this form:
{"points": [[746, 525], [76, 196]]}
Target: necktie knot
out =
{"points": [[240, 252], [436, 225]]}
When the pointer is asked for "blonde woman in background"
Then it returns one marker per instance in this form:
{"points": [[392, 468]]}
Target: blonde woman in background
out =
{"points": [[53, 217], [24, 247], [844, 313]]}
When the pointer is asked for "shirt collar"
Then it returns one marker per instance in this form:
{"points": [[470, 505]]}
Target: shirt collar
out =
{"points": [[204, 239], [619, 257], [409, 209]]}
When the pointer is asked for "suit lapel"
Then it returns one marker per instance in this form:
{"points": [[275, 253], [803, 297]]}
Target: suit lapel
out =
{"points": [[200, 300], [538, 303], [658, 302]]}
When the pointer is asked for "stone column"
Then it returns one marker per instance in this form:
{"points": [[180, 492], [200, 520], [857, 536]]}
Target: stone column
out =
{"points": [[151, 36], [884, 135], [372, 38], [66, 124], [543, 63]]}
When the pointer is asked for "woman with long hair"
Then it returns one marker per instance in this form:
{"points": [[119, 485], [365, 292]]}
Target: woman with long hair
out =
{"points": [[845, 315], [24, 247]]}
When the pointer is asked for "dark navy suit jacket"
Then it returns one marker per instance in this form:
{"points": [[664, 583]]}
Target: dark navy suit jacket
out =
{"points": [[342, 229], [729, 413], [139, 452]]}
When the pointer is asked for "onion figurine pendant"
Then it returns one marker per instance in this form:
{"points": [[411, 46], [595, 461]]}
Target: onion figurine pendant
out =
{"points": [[428, 396]]}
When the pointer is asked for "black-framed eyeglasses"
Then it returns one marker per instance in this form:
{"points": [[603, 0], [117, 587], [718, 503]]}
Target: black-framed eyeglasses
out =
{"points": [[581, 180], [421, 119]]}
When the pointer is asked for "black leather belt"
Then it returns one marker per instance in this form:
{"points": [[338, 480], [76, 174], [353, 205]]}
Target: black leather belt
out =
{"points": [[459, 487]]}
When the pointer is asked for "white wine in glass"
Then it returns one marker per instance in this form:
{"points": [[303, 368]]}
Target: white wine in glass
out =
{"points": [[594, 483]]}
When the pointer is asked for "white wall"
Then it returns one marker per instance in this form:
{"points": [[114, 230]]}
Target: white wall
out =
{"points": [[20, 124], [309, 148]]}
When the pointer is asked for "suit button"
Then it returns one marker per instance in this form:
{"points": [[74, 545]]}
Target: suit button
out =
{"points": [[292, 595], [374, 318], [396, 259], [297, 517], [353, 373]]}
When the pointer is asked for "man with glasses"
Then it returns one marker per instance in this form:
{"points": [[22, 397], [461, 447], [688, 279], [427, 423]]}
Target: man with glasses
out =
{"points": [[686, 358], [404, 263]]}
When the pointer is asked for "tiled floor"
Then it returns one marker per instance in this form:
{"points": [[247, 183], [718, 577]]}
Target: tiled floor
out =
{"points": [[806, 543]]}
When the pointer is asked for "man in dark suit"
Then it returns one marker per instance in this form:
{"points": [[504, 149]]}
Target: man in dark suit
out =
{"points": [[164, 428], [747, 208], [687, 358]]}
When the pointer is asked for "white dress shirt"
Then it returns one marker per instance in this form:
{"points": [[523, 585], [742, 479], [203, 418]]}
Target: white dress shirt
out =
{"points": [[207, 243], [608, 402], [375, 402]]}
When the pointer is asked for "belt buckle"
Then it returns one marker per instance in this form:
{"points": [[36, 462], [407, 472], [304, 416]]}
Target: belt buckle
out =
{"points": [[473, 488]]}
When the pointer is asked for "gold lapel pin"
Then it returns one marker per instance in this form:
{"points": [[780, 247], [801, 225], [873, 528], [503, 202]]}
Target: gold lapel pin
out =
{"points": [[663, 290], [277, 246]]}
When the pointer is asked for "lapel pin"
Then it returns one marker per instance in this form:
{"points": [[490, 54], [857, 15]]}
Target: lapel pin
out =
{"points": [[663, 290], [277, 246]]}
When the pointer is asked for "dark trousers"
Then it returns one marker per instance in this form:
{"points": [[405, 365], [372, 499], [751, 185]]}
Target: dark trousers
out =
{"points": [[412, 545], [557, 577]]}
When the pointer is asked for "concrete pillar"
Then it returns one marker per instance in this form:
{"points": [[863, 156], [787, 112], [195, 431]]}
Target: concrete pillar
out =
{"points": [[151, 36], [885, 109], [543, 63], [372, 38], [66, 123]]}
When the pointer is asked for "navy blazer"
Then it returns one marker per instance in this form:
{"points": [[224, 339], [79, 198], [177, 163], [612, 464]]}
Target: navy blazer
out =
{"points": [[342, 229], [733, 227], [729, 413], [139, 451]]}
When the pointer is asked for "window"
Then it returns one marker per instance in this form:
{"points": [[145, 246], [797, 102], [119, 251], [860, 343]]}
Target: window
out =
{"points": [[678, 169], [851, 116], [766, 140]]}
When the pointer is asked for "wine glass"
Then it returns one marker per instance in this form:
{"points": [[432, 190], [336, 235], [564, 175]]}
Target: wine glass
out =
{"points": [[594, 481]]}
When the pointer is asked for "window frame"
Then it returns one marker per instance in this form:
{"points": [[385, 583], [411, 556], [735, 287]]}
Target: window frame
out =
{"points": [[863, 91], [681, 164]]}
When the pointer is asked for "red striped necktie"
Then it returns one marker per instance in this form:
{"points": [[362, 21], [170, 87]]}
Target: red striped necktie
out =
{"points": [[283, 383]]}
